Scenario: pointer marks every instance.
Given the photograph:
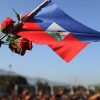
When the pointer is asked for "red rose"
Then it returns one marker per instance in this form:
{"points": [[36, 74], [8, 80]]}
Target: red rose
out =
{"points": [[24, 43], [16, 49], [21, 46], [7, 25]]}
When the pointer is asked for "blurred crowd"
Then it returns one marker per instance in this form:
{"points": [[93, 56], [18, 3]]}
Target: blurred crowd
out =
{"points": [[74, 93]]}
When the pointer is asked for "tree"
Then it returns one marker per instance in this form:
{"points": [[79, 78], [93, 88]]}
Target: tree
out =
{"points": [[8, 83]]}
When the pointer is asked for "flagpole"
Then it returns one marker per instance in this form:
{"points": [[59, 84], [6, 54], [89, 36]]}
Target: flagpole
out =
{"points": [[36, 10], [25, 19]]}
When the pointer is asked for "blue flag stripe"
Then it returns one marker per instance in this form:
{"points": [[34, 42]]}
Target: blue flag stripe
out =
{"points": [[51, 13]]}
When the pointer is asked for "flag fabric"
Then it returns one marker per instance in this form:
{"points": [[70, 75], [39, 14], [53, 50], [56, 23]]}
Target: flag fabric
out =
{"points": [[53, 27]]}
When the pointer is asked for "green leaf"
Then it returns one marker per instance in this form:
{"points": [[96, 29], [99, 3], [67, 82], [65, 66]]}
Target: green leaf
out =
{"points": [[17, 15], [1, 42]]}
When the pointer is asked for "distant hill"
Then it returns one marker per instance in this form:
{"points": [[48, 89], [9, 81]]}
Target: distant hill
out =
{"points": [[5, 72], [30, 80]]}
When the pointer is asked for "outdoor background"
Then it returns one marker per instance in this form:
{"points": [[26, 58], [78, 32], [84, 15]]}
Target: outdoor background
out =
{"points": [[42, 61]]}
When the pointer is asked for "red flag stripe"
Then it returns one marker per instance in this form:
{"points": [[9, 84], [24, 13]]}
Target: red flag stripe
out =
{"points": [[70, 49], [30, 25]]}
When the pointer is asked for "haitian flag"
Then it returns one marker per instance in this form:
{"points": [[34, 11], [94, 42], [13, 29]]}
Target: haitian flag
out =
{"points": [[53, 27]]}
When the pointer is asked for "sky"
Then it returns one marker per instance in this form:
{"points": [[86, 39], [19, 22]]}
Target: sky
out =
{"points": [[42, 61]]}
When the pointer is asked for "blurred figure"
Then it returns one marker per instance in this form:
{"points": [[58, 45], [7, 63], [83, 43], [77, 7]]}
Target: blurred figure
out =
{"points": [[52, 97], [39, 95], [95, 97], [14, 96], [26, 95], [3, 98]]}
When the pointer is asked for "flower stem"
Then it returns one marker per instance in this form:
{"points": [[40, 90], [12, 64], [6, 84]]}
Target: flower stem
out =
{"points": [[3, 36]]}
